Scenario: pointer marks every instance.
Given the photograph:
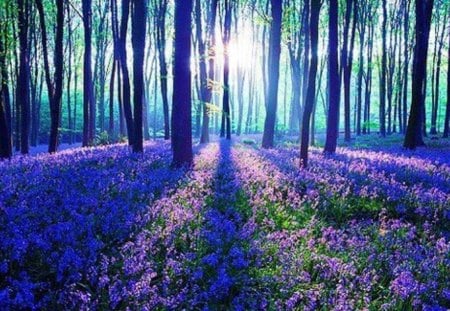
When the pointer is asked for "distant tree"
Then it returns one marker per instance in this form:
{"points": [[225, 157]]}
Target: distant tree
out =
{"points": [[311, 91], [347, 60], [440, 29], [274, 74], [333, 79], [181, 104], [414, 138], [160, 7]]}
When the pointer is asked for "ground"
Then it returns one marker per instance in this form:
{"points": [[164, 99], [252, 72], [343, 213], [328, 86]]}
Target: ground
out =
{"points": [[244, 228]]}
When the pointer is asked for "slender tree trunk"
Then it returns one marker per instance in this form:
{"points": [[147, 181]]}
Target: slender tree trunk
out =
{"points": [[447, 109], [311, 93], [333, 79], [181, 112], [5, 110], [274, 76], [23, 80], [126, 93], [225, 129], [160, 15], [382, 113]]}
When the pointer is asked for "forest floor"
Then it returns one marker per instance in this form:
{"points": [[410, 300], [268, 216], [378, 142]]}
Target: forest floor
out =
{"points": [[244, 228]]}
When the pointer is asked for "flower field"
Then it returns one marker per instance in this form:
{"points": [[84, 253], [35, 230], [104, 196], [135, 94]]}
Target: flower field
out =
{"points": [[243, 229]]}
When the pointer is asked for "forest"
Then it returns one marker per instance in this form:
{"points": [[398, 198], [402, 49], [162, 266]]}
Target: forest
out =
{"points": [[224, 155]]}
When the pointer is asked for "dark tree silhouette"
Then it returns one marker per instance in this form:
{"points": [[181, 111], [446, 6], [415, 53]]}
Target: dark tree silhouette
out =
{"points": [[414, 138], [160, 25], [122, 52], [139, 23], [88, 88], [225, 128], [181, 104], [311, 91], [206, 75], [55, 84], [23, 79], [274, 74], [5, 109], [333, 79]]}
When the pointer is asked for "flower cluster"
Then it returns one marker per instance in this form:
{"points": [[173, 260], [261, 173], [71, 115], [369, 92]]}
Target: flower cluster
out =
{"points": [[243, 229]]}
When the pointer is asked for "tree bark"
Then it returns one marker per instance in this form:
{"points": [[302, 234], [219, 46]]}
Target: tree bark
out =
{"points": [[311, 92], [414, 138], [181, 103], [333, 79], [274, 76], [139, 23]]}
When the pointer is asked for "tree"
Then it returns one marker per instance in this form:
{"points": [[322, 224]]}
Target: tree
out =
{"points": [[23, 80], [311, 91], [5, 108], [333, 79], [206, 75], [122, 52], [138, 41], [347, 60], [160, 25], [88, 87], [225, 129], [181, 104], [382, 113], [447, 109], [274, 74], [413, 137], [55, 85]]}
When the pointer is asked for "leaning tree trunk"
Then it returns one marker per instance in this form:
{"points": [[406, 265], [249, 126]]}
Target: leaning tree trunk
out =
{"points": [[181, 103], [311, 91], [274, 76]]}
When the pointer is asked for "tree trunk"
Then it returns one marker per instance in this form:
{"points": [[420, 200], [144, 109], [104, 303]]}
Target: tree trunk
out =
{"points": [[274, 76], [5, 110], [126, 93], [333, 79], [139, 23], [447, 109], [225, 129], [23, 80], [382, 113], [311, 92], [414, 133], [181, 112], [88, 95]]}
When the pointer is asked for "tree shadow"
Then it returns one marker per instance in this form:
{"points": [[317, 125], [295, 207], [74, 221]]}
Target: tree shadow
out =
{"points": [[225, 259]]}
